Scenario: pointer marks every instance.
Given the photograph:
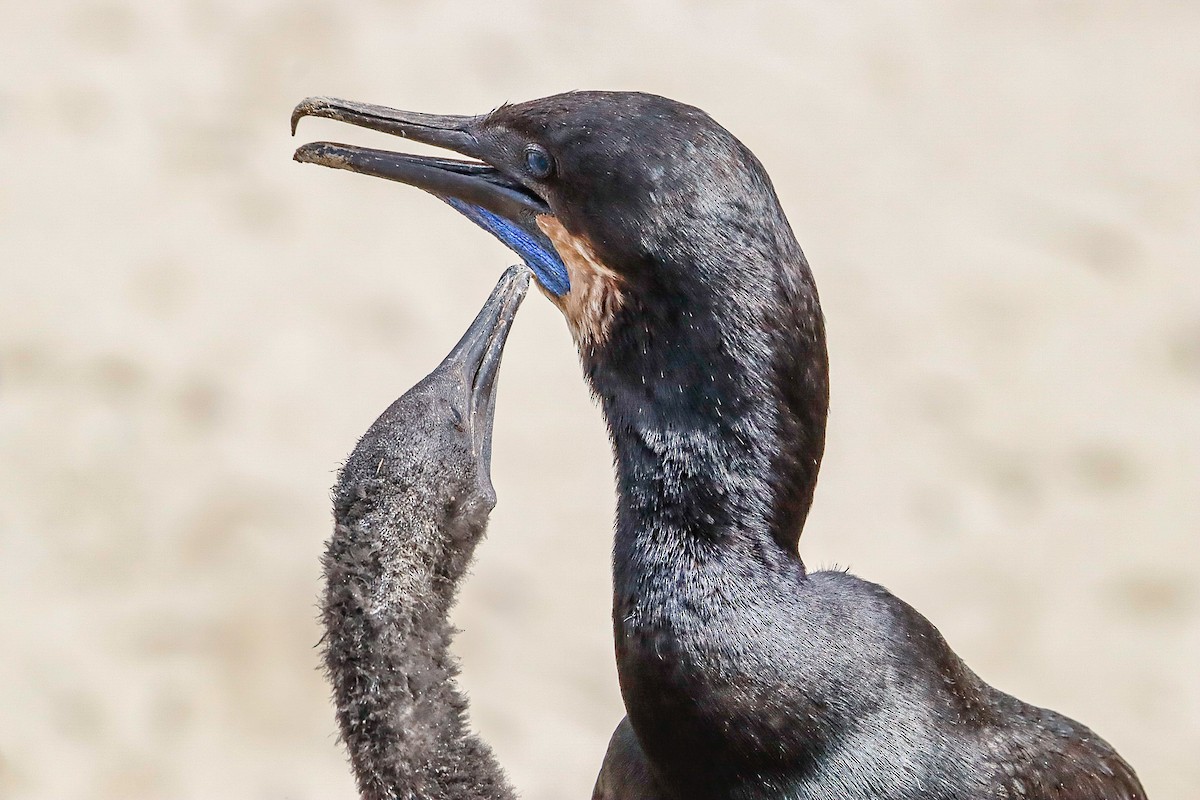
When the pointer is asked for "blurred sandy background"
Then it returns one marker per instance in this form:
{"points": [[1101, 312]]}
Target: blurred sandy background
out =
{"points": [[1001, 201]]}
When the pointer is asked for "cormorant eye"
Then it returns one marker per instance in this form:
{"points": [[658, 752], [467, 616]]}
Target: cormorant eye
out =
{"points": [[538, 161]]}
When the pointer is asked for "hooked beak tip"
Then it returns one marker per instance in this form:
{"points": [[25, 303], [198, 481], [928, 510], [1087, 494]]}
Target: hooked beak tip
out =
{"points": [[307, 107], [316, 106]]}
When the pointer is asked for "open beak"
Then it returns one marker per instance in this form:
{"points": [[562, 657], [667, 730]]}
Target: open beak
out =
{"points": [[475, 360], [479, 189]]}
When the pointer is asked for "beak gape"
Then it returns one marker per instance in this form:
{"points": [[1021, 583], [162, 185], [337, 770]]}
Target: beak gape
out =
{"points": [[481, 190]]}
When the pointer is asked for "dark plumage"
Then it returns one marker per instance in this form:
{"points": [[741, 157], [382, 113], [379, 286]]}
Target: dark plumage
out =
{"points": [[698, 324], [410, 505]]}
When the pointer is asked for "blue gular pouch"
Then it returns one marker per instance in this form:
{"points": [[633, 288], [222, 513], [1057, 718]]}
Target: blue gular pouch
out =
{"points": [[537, 252]]}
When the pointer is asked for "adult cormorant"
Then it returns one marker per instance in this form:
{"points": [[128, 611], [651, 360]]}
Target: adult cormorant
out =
{"points": [[660, 237], [410, 505]]}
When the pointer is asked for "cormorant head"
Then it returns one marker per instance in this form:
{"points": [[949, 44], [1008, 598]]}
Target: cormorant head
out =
{"points": [[603, 194], [437, 438]]}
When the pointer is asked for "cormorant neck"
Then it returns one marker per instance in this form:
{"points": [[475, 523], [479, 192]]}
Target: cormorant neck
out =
{"points": [[716, 402], [391, 578]]}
